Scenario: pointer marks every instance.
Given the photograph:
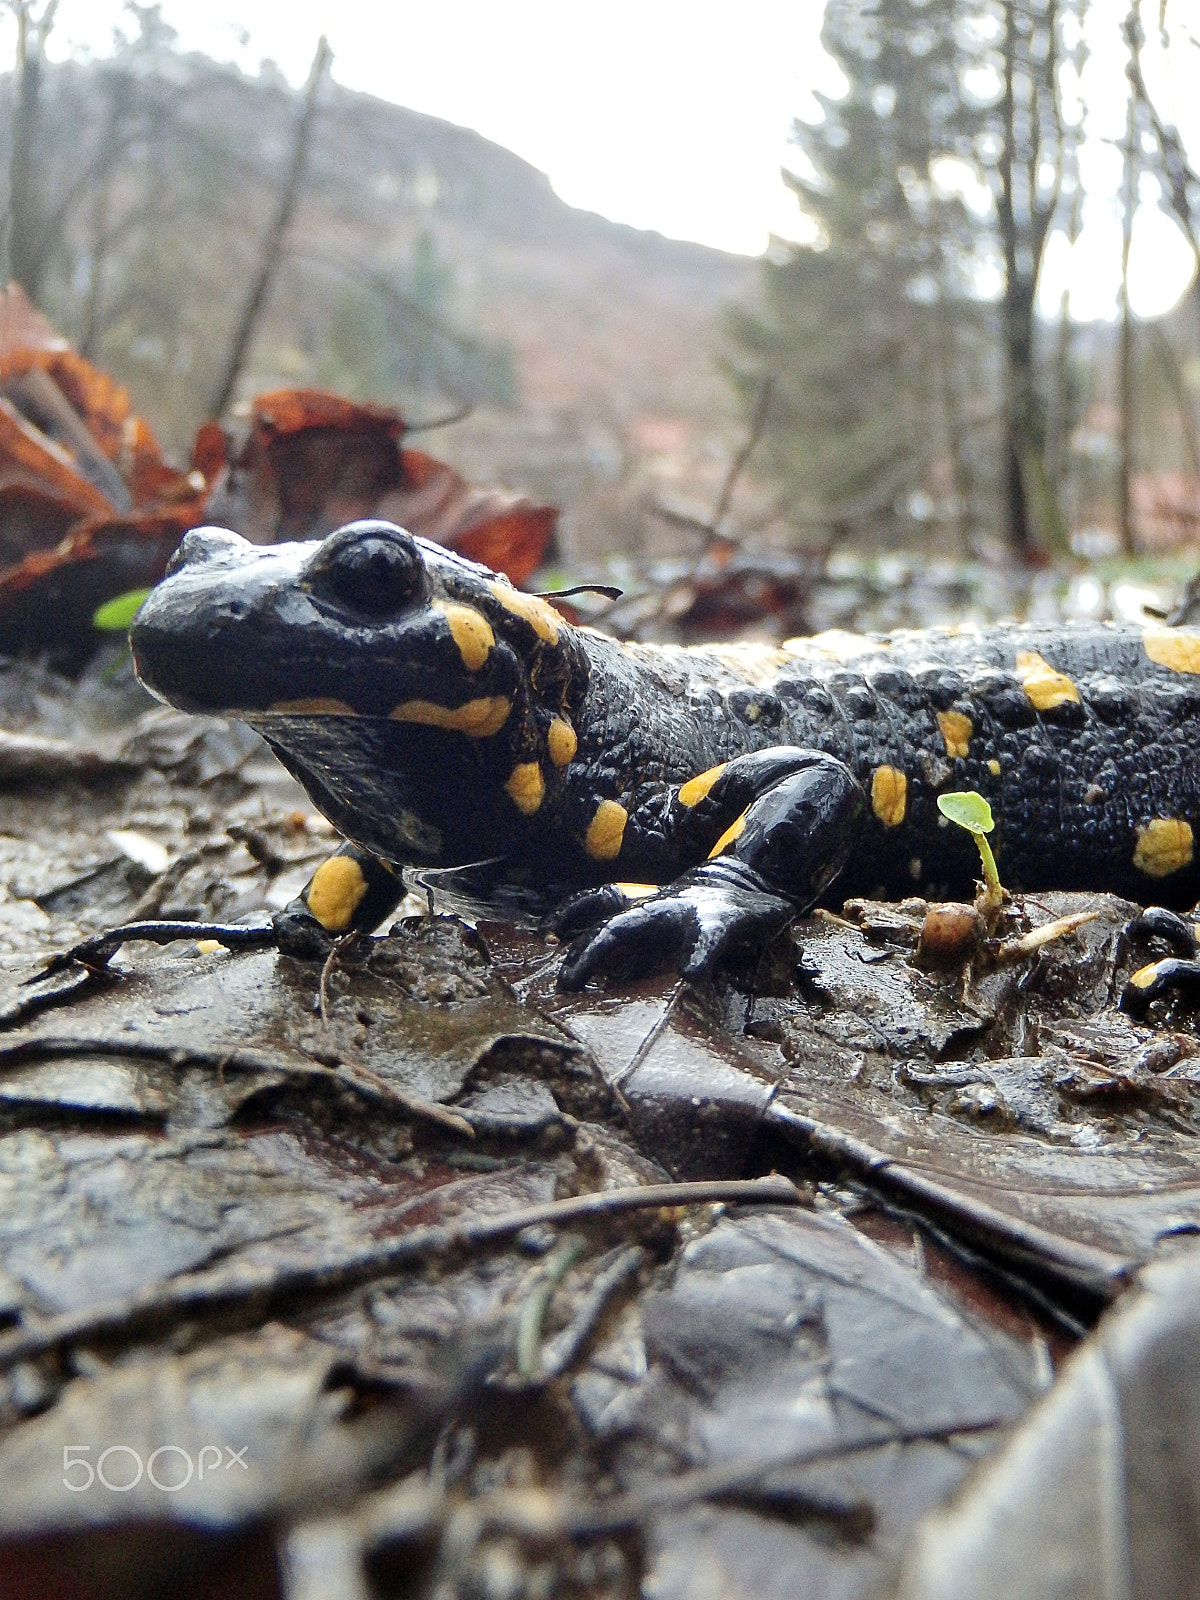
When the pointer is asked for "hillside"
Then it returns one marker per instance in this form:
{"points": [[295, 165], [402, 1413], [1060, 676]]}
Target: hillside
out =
{"points": [[425, 265], [613, 332]]}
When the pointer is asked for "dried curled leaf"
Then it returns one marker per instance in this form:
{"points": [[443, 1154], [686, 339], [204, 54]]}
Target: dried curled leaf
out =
{"points": [[314, 460]]}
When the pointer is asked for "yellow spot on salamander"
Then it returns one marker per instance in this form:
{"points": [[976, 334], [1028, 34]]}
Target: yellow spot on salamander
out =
{"points": [[542, 618], [335, 892], [1163, 847], [207, 947], [1044, 687], [889, 796], [1175, 648], [994, 767], [732, 833], [636, 891], [561, 741], [470, 630], [694, 790], [526, 787], [1145, 976], [605, 831], [478, 719], [318, 705], [957, 729]]}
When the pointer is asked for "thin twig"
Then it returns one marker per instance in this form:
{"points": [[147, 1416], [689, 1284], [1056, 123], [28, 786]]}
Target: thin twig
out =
{"points": [[256, 1287], [414, 1105], [738, 465], [459, 414], [370, 1086], [537, 1303], [560, 1353], [331, 960], [1036, 938], [95, 953], [537, 1515]]}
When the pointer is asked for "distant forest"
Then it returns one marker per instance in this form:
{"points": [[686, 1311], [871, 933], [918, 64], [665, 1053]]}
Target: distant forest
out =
{"points": [[900, 387], [892, 375], [142, 194]]}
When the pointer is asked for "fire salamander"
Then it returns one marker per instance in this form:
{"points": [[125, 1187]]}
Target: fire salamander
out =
{"points": [[700, 797]]}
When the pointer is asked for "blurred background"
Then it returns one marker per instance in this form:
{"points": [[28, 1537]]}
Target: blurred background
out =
{"points": [[871, 313]]}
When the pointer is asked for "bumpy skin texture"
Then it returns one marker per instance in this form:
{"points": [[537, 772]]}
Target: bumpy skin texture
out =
{"points": [[438, 717]]}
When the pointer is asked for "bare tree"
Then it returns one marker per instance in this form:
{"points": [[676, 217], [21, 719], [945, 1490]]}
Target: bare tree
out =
{"points": [[289, 197], [1057, 418], [1182, 184], [1125, 347], [1182, 178], [1029, 179], [26, 243]]}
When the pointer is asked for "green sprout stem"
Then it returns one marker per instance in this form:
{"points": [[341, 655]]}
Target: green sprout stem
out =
{"points": [[990, 876], [969, 810]]}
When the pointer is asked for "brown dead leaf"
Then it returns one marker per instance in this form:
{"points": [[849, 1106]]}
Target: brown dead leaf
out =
{"points": [[315, 460]]}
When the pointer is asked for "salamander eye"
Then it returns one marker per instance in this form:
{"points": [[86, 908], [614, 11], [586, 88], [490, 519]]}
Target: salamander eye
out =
{"points": [[372, 568]]}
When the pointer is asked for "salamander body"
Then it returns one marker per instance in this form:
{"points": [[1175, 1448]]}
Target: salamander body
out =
{"points": [[439, 717]]}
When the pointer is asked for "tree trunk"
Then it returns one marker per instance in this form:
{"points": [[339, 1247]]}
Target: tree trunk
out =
{"points": [[1017, 318], [273, 246], [950, 406], [1058, 422], [1125, 356], [26, 258], [118, 95]]}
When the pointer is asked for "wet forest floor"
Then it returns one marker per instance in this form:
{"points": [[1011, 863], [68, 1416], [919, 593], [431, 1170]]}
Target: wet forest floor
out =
{"points": [[411, 1276]]}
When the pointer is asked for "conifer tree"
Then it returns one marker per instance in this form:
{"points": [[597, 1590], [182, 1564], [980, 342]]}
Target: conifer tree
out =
{"points": [[853, 328]]}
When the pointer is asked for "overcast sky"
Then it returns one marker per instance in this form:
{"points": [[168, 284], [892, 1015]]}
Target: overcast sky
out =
{"points": [[666, 114]]}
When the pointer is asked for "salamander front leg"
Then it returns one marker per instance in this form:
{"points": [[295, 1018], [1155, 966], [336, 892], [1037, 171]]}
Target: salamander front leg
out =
{"points": [[350, 892], [771, 861]]}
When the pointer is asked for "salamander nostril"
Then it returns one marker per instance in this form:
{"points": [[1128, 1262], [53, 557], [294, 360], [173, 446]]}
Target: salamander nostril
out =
{"points": [[201, 545], [373, 568]]}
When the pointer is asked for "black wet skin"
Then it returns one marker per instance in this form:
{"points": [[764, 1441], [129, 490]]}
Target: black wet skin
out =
{"points": [[357, 625]]}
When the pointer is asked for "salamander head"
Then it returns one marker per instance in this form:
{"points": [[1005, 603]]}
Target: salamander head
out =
{"points": [[425, 703]]}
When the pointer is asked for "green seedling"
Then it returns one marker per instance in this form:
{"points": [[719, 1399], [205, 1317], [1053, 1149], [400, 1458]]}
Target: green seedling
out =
{"points": [[972, 812], [115, 616]]}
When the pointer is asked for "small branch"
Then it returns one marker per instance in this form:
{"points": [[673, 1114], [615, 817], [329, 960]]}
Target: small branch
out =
{"points": [[747, 1478], [459, 414], [97, 952], [368, 1085], [537, 1303], [37, 390], [415, 1106], [255, 1288], [738, 465], [560, 1353]]}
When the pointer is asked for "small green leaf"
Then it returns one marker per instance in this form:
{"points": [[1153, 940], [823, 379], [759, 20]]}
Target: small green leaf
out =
{"points": [[968, 809], [114, 616], [972, 812]]}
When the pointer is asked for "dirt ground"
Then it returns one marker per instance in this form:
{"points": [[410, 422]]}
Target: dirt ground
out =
{"points": [[413, 1276]]}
